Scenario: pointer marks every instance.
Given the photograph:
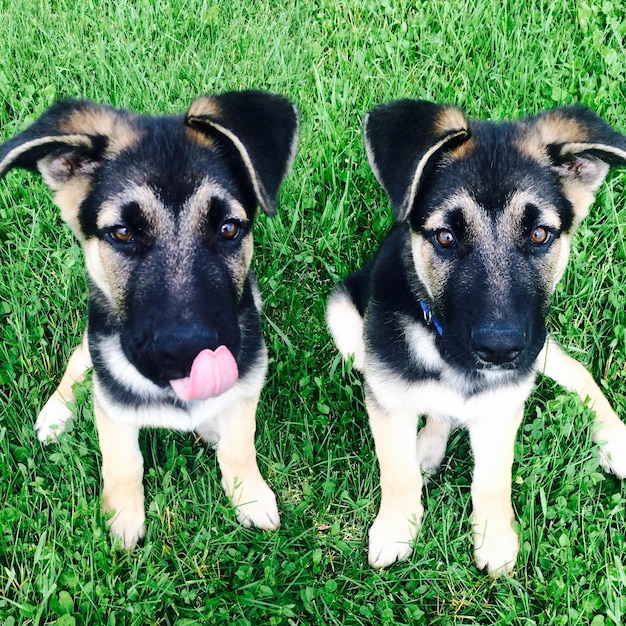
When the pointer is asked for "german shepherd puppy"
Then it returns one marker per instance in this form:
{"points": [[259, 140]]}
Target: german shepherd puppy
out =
{"points": [[164, 208], [448, 319]]}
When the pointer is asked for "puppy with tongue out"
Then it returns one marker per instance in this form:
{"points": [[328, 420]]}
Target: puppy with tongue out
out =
{"points": [[164, 207], [212, 373]]}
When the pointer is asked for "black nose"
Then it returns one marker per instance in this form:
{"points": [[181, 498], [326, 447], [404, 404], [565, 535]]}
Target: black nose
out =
{"points": [[175, 348], [498, 343]]}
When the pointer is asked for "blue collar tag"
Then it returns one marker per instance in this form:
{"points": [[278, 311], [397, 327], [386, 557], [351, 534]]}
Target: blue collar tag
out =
{"points": [[429, 319]]}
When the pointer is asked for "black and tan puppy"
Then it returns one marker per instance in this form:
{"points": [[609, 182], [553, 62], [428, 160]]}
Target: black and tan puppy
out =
{"points": [[164, 207], [447, 320]]}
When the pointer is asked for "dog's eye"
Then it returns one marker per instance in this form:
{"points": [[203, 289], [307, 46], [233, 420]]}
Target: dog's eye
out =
{"points": [[121, 234], [540, 236], [230, 229], [445, 238]]}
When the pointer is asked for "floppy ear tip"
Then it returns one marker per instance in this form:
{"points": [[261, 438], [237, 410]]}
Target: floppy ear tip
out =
{"points": [[269, 208]]}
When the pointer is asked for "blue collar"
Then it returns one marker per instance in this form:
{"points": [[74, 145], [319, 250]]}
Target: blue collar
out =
{"points": [[429, 319]]}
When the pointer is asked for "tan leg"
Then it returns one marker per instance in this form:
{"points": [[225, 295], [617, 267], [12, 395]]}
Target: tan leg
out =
{"points": [[254, 501], [395, 527], [609, 431], [495, 541], [55, 413], [122, 477], [432, 440]]}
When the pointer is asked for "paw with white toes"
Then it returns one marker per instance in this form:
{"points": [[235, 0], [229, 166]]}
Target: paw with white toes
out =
{"points": [[495, 547], [127, 521], [255, 504], [128, 527], [392, 535], [52, 419], [612, 445]]}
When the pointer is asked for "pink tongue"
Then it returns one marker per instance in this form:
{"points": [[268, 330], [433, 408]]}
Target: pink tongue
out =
{"points": [[212, 373]]}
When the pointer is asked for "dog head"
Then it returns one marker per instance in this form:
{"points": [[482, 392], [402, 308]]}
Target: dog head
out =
{"points": [[163, 208], [491, 208]]}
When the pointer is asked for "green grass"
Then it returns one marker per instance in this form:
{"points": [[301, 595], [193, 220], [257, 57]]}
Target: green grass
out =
{"points": [[335, 59]]}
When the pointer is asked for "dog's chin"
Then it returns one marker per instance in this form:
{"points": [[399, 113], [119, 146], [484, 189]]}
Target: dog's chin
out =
{"points": [[486, 366], [506, 371], [482, 372]]}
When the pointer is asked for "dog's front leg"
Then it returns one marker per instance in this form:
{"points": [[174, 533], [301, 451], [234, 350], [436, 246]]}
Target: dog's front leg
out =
{"points": [[432, 440], [495, 541], [254, 501], [610, 431], [395, 527], [122, 477], [55, 413]]}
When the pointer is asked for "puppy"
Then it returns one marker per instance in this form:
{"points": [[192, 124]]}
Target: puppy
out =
{"points": [[163, 208], [448, 319]]}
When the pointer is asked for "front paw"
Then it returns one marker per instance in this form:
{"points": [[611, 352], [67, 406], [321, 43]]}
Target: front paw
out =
{"points": [[392, 535], [255, 504], [495, 547], [52, 419], [126, 519], [612, 445]]}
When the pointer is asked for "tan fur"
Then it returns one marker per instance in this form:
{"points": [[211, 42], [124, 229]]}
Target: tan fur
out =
{"points": [[609, 431], [55, 413], [97, 120], [122, 476], [81, 126], [481, 233], [200, 138], [432, 439], [400, 512], [493, 443], [239, 265], [110, 271], [97, 261], [462, 151], [68, 198], [581, 198], [152, 208], [450, 119], [554, 128], [254, 501], [204, 106], [433, 275], [551, 128]]}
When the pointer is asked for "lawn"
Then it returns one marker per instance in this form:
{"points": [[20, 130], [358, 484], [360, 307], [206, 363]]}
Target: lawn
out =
{"points": [[335, 59]]}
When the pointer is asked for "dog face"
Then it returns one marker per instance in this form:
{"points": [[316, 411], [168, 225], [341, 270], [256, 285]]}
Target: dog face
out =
{"points": [[491, 209], [164, 209]]}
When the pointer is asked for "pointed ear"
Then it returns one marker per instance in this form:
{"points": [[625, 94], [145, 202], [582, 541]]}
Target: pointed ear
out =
{"points": [[69, 142], [262, 127], [579, 147], [404, 140]]}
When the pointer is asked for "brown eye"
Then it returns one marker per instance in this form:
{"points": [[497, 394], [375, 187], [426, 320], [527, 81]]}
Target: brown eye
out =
{"points": [[539, 236], [445, 238], [122, 234], [230, 230]]}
